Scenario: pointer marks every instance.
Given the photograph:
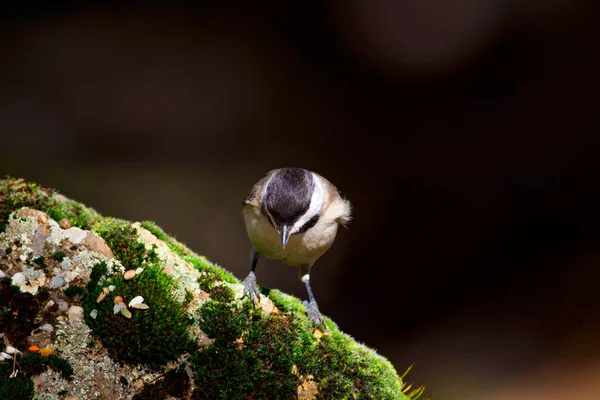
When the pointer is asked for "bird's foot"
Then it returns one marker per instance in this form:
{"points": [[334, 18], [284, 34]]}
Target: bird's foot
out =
{"points": [[250, 287], [314, 315]]}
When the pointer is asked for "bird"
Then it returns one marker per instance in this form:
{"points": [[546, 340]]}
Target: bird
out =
{"points": [[292, 215]]}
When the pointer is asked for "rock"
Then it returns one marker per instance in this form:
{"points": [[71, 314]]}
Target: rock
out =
{"points": [[19, 279], [57, 282], [75, 315], [47, 327], [95, 243], [62, 305], [41, 339], [65, 264], [38, 240]]}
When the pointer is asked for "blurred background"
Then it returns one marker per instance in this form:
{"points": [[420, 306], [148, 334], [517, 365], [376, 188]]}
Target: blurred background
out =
{"points": [[465, 132]]}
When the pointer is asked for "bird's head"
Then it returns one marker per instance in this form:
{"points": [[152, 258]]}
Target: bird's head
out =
{"points": [[292, 201]]}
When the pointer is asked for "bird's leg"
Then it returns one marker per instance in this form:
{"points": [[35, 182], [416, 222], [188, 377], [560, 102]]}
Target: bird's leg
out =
{"points": [[312, 309], [250, 287]]}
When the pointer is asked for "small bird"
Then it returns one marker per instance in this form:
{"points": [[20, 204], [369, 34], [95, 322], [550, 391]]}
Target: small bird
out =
{"points": [[293, 215]]}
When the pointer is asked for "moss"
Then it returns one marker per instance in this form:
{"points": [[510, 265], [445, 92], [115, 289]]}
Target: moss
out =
{"points": [[40, 261], [123, 381], [17, 388], [79, 215], [122, 239], [174, 383], [99, 270], [18, 312], [8, 250], [59, 256], [154, 336], [222, 294], [73, 291], [252, 353], [16, 193], [34, 364], [207, 281], [257, 356], [200, 263]]}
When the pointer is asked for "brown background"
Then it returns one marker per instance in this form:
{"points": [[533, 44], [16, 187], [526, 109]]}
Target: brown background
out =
{"points": [[464, 132]]}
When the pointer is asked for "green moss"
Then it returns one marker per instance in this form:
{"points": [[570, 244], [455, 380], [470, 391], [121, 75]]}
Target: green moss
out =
{"points": [[252, 353], [200, 263], [79, 215], [121, 237], [99, 270], [34, 364], [8, 250], [59, 256], [17, 388], [174, 383], [18, 312], [207, 281], [222, 294], [73, 291], [40, 261], [16, 193], [255, 356], [154, 336]]}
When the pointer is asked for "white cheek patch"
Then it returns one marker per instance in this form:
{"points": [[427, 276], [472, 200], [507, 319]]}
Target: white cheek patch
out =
{"points": [[316, 204]]}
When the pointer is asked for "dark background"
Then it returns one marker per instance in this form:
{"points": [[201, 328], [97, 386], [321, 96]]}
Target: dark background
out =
{"points": [[463, 131]]}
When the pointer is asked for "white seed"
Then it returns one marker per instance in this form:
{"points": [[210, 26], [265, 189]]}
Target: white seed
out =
{"points": [[94, 314], [141, 306], [111, 287], [136, 300], [139, 270]]}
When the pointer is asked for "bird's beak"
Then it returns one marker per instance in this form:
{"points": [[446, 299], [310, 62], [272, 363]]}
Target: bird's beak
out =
{"points": [[285, 234]]}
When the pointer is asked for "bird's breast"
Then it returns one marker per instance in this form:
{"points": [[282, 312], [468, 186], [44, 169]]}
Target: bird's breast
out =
{"points": [[302, 249]]}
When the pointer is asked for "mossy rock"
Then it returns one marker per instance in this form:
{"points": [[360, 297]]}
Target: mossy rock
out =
{"points": [[194, 329]]}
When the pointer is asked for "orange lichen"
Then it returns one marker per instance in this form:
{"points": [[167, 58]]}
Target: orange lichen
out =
{"points": [[33, 349]]}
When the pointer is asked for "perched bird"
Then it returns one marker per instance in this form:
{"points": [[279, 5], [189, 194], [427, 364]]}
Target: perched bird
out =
{"points": [[293, 215]]}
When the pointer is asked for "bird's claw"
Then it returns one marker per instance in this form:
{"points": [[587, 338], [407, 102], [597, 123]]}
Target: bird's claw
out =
{"points": [[314, 315], [251, 288]]}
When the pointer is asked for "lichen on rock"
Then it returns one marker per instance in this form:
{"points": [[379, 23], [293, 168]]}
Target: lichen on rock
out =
{"points": [[189, 333]]}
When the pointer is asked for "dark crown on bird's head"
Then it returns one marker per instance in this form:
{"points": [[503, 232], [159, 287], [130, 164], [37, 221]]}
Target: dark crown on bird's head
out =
{"points": [[288, 195]]}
